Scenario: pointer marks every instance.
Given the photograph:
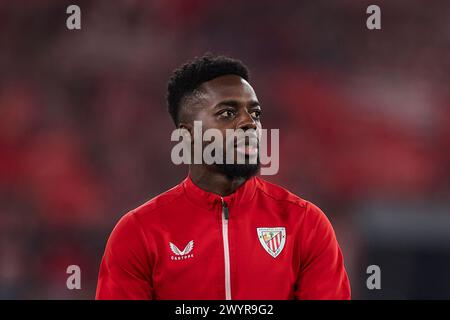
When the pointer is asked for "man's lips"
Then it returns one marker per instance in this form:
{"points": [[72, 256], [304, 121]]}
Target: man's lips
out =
{"points": [[252, 140], [247, 148]]}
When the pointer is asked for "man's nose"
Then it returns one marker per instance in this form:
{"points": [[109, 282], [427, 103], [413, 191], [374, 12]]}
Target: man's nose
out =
{"points": [[246, 122]]}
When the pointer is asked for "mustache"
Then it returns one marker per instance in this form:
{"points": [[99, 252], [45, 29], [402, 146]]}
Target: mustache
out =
{"points": [[247, 138], [244, 142]]}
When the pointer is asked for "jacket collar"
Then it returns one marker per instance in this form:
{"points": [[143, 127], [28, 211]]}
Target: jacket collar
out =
{"points": [[210, 200]]}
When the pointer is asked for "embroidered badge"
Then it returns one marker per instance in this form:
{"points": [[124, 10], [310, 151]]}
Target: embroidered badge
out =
{"points": [[272, 239]]}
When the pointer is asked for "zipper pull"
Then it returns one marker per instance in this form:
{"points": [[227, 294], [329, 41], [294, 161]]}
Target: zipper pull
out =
{"points": [[225, 209]]}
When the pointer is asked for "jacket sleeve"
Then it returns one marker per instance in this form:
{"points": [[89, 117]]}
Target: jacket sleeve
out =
{"points": [[322, 274], [125, 270]]}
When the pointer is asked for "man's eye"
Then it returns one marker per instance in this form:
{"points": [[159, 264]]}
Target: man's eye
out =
{"points": [[226, 114], [256, 114]]}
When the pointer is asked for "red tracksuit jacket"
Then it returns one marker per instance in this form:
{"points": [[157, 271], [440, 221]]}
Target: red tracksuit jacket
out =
{"points": [[261, 242]]}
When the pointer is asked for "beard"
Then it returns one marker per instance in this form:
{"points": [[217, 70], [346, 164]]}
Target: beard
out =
{"points": [[248, 169], [234, 170]]}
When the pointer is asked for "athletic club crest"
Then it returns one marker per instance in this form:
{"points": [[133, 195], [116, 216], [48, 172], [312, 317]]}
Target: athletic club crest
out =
{"points": [[272, 239]]}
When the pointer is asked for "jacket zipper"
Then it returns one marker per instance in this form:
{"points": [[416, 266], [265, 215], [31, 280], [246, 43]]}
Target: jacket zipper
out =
{"points": [[226, 249]]}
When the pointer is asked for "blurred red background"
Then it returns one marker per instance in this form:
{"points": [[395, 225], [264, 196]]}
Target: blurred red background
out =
{"points": [[364, 119]]}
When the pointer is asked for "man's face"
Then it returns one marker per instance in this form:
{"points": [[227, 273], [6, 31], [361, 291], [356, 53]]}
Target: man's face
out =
{"points": [[229, 102]]}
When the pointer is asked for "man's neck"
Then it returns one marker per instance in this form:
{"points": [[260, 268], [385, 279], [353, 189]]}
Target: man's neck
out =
{"points": [[213, 181]]}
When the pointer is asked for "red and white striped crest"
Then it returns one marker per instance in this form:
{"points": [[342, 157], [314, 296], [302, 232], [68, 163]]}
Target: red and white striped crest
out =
{"points": [[272, 239]]}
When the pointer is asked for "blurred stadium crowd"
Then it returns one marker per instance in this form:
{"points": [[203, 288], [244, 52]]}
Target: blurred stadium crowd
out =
{"points": [[364, 118]]}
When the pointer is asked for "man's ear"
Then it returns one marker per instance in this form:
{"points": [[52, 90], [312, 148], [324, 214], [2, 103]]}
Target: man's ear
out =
{"points": [[189, 127]]}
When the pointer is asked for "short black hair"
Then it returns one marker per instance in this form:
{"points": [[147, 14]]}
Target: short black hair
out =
{"points": [[186, 79]]}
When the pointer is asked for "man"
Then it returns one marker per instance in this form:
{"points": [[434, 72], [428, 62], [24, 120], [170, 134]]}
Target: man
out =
{"points": [[222, 233]]}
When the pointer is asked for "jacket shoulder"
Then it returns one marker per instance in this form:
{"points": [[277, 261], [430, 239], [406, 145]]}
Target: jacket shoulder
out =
{"points": [[279, 193], [160, 201]]}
